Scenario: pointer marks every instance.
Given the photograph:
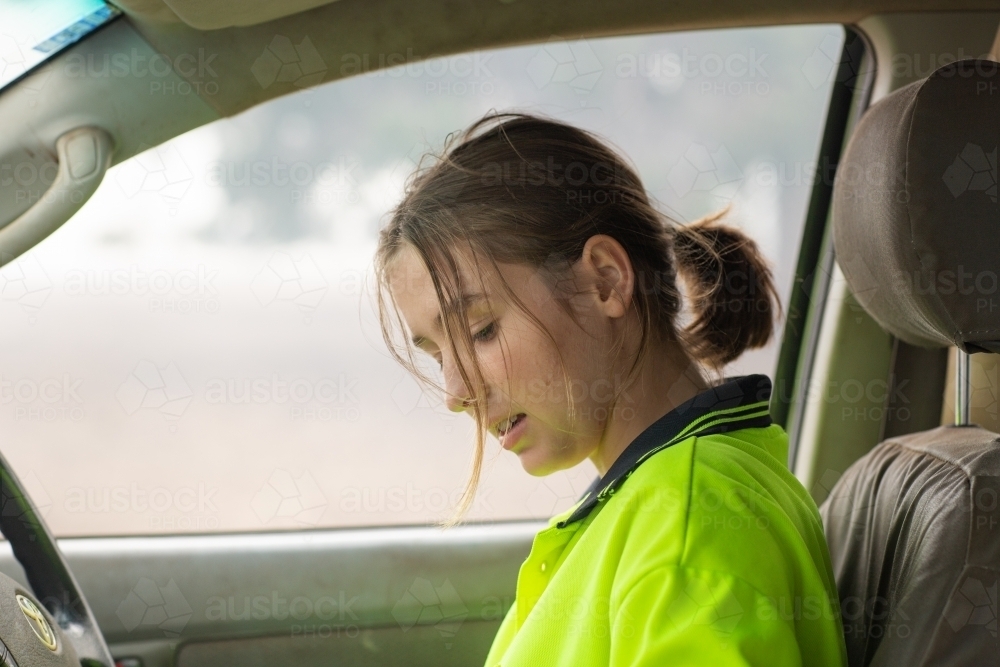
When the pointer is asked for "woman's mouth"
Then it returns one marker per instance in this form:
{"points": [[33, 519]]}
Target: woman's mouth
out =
{"points": [[510, 430]]}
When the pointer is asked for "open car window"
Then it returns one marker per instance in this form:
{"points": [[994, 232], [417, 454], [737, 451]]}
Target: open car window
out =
{"points": [[196, 350]]}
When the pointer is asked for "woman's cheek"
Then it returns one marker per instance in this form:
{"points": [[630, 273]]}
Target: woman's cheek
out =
{"points": [[537, 391], [498, 370]]}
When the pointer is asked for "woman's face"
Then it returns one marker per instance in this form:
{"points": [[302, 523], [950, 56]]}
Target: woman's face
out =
{"points": [[522, 368]]}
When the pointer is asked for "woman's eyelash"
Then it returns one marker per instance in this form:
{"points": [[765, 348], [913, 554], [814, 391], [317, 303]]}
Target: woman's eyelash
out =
{"points": [[483, 335], [486, 332]]}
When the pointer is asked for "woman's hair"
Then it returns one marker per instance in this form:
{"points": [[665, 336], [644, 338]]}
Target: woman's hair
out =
{"points": [[515, 188]]}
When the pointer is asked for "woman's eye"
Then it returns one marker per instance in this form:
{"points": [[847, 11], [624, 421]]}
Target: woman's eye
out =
{"points": [[486, 332]]}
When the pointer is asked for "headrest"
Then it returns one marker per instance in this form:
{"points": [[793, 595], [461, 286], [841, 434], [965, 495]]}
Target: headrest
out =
{"points": [[916, 223]]}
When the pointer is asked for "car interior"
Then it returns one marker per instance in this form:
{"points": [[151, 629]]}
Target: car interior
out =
{"points": [[888, 391]]}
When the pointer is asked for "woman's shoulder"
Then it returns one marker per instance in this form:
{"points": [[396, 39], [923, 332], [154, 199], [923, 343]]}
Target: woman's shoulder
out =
{"points": [[708, 501], [742, 458]]}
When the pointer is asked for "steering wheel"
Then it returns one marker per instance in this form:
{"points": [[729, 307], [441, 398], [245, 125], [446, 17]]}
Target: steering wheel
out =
{"points": [[59, 630]]}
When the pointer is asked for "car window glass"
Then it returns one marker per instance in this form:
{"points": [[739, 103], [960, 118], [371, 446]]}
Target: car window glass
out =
{"points": [[195, 350], [32, 32]]}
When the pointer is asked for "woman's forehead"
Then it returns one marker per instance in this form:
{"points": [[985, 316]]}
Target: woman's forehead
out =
{"points": [[409, 273], [413, 291]]}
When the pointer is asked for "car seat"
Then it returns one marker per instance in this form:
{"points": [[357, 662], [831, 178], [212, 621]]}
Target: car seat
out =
{"points": [[914, 525]]}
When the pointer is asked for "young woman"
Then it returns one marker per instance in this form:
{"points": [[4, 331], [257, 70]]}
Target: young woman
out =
{"points": [[528, 261]]}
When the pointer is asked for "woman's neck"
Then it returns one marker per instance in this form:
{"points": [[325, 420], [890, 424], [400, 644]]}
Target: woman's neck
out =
{"points": [[666, 379]]}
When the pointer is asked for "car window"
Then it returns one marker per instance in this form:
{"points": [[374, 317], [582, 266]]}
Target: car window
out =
{"points": [[31, 31], [196, 350]]}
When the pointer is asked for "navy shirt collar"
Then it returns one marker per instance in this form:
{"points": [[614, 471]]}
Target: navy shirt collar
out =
{"points": [[737, 403]]}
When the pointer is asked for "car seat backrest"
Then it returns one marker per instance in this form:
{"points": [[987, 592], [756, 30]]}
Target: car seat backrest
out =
{"points": [[914, 526], [913, 529]]}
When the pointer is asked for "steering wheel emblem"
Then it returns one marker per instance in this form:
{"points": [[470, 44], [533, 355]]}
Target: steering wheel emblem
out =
{"points": [[37, 621]]}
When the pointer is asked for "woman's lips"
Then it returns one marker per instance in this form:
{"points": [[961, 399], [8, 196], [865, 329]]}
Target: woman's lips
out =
{"points": [[510, 438]]}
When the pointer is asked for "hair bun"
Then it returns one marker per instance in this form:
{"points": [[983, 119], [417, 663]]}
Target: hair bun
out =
{"points": [[729, 288]]}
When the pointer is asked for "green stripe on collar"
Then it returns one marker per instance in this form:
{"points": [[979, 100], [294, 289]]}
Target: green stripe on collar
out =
{"points": [[737, 403]]}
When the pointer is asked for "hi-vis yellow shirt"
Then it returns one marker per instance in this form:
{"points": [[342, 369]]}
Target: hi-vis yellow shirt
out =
{"points": [[697, 547]]}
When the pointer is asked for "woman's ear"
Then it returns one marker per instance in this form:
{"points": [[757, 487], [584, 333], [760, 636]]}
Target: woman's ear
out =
{"points": [[607, 272]]}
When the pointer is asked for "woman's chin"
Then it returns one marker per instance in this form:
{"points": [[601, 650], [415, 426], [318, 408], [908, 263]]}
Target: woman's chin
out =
{"points": [[536, 464], [530, 463]]}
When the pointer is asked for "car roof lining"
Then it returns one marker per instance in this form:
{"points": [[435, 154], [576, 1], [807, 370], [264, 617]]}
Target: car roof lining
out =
{"points": [[218, 14], [420, 29]]}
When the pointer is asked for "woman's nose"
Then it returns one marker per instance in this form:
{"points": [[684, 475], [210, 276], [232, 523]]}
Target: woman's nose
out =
{"points": [[458, 398]]}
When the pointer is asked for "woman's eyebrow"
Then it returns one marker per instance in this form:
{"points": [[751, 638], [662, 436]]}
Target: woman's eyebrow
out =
{"points": [[464, 302]]}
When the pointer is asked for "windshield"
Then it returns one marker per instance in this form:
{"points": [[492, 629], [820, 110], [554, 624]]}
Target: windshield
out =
{"points": [[32, 31]]}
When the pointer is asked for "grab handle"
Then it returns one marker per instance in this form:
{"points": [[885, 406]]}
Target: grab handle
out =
{"points": [[84, 157]]}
